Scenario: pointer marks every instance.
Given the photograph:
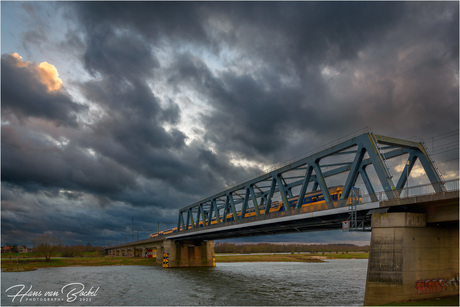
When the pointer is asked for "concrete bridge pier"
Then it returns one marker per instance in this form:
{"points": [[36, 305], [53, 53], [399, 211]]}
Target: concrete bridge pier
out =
{"points": [[409, 260], [187, 254]]}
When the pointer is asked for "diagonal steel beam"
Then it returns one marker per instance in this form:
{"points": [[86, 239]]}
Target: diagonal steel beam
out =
{"points": [[322, 183], [232, 206], [407, 169], [379, 165], [254, 199], [367, 182], [270, 197], [216, 212], [430, 170], [283, 194], [209, 213], [245, 204], [353, 175], [226, 208], [303, 189], [181, 221]]}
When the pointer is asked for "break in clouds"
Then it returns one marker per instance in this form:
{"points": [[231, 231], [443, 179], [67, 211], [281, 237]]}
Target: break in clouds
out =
{"points": [[117, 110]]}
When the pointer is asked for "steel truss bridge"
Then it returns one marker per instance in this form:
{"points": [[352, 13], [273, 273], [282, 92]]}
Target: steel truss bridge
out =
{"points": [[366, 156]]}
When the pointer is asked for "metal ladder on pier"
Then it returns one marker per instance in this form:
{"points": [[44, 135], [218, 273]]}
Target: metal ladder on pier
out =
{"points": [[353, 223]]}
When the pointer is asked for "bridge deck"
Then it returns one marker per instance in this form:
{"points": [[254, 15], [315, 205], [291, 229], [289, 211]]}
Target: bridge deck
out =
{"points": [[440, 208], [311, 221]]}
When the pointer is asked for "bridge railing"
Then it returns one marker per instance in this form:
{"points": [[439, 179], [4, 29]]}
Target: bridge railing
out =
{"points": [[419, 190], [427, 189]]}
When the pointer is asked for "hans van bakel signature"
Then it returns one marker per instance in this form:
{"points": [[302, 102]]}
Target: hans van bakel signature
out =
{"points": [[69, 293]]}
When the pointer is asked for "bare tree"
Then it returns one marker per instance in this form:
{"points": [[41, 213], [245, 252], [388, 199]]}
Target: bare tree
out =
{"points": [[46, 245]]}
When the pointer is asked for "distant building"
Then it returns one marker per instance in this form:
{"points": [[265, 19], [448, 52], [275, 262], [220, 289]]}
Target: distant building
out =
{"points": [[7, 249], [24, 249]]}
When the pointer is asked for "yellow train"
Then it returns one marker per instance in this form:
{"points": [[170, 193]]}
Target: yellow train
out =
{"points": [[313, 201]]}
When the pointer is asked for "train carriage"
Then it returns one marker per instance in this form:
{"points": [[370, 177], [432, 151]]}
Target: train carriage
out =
{"points": [[313, 201]]}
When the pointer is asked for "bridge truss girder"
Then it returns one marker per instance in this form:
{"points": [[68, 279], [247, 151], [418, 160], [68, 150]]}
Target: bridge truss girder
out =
{"points": [[360, 152]]}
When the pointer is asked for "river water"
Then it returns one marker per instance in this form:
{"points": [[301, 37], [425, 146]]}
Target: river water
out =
{"points": [[334, 282]]}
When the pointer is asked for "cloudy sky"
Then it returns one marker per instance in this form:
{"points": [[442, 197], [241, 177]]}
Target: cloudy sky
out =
{"points": [[113, 111]]}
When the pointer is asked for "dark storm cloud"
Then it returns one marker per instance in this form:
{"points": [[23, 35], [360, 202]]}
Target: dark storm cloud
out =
{"points": [[151, 20], [305, 40], [253, 111], [31, 160], [124, 55], [24, 95], [73, 220], [133, 132], [248, 114], [308, 32]]}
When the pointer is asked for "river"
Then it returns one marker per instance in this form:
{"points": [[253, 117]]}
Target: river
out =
{"points": [[334, 282]]}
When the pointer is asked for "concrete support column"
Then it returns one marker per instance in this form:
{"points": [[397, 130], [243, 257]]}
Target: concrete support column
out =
{"points": [[160, 253], [189, 253], [143, 252], [410, 261]]}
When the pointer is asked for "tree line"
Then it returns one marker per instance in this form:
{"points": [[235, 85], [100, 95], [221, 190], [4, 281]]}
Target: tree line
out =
{"points": [[48, 246], [286, 248]]}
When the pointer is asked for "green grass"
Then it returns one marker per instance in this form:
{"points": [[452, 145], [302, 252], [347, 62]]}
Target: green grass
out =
{"points": [[25, 264], [24, 255], [347, 256], [35, 255], [289, 257], [266, 258]]}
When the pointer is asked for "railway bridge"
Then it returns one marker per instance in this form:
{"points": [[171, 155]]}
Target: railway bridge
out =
{"points": [[414, 242]]}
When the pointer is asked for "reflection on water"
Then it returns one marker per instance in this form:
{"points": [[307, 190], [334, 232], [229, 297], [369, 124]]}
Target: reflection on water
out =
{"points": [[335, 282]]}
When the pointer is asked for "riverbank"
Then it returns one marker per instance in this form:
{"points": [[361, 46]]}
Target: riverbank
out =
{"points": [[28, 264], [299, 257]]}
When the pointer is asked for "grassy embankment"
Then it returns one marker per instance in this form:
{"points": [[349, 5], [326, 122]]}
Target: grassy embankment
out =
{"points": [[30, 264], [31, 261], [290, 257]]}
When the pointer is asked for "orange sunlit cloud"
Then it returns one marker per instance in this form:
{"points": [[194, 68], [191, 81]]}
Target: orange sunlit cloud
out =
{"points": [[20, 62], [47, 72], [49, 76]]}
